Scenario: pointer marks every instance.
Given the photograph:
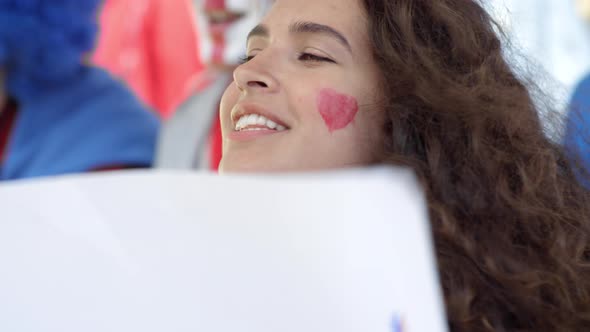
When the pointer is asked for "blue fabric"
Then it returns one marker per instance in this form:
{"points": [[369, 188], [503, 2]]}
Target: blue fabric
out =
{"points": [[89, 122], [43, 41], [577, 136]]}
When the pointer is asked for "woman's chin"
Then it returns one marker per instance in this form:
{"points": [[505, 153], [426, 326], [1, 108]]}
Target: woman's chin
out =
{"points": [[229, 165]]}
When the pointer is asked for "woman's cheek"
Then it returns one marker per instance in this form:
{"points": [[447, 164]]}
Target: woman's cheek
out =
{"points": [[337, 110], [228, 100]]}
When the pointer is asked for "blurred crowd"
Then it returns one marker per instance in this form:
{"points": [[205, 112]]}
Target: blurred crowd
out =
{"points": [[137, 83]]}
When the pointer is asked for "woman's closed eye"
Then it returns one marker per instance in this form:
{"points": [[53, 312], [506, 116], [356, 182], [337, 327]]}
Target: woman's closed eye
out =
{"points": [[306, 57], [245, 58]]}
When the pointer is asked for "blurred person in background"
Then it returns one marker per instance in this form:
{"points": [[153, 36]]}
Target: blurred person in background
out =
{"points": [[577, 135], [153, 46], [57, 114], [192, 137]]}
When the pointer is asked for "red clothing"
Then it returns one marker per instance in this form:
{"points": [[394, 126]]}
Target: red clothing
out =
{"points": [[153, 46], [216, 147], [7, 117]]}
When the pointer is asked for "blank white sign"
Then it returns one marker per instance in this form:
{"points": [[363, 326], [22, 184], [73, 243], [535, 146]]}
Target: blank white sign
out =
{"points": [[178, 251]]}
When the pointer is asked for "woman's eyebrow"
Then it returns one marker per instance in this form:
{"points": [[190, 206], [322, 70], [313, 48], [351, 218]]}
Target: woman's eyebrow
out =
{"points": [[259, 31], [304, 27], [311, 27]]}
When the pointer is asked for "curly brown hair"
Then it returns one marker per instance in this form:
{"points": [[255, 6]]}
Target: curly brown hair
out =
{"points": [[511, 224]]}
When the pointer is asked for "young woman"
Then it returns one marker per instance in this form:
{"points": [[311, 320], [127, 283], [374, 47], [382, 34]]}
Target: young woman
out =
{"points": [[337, 83]]}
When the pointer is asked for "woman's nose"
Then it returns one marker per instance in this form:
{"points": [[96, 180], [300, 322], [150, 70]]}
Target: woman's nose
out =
{"points": [[256, 75]]}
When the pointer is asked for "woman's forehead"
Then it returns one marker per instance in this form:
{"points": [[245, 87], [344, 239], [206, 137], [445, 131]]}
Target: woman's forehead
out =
{"points": [[331, 10], [345, 16]]}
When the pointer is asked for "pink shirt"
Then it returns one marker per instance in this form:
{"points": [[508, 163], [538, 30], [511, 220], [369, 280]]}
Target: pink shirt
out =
{"points": [[153, 46]]}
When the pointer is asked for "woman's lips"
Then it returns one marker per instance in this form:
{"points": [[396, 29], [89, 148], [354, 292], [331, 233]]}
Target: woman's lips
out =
{"points": [[250, 134], [251, 121], [245, 109]]}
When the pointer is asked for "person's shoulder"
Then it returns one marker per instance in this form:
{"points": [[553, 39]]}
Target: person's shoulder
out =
{"points": [[111, 95], [579, 104], [116, 124], [102, 83], [98, 103], [582, 89]]}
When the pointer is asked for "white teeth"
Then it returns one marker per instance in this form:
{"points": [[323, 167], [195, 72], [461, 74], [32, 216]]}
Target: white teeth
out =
{"points": [[252, 118], [241, 123], [261, 121], [256, 120]]}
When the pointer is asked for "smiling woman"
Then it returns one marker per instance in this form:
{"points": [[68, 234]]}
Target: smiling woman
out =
{"points": [[424, 84], [312, 76]]}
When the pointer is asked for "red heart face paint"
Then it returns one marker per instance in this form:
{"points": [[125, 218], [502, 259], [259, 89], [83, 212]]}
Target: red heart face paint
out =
{"points": [[338, 110]]}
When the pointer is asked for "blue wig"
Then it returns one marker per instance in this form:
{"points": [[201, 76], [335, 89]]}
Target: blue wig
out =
{"points": [[42, 42]]}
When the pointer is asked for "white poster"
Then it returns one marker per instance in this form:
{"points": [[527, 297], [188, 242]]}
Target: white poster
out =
{"points": [[165, 251]]}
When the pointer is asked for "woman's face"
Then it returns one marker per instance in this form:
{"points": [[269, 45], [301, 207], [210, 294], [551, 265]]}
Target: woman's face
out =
{"points": [[307, 97]]}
